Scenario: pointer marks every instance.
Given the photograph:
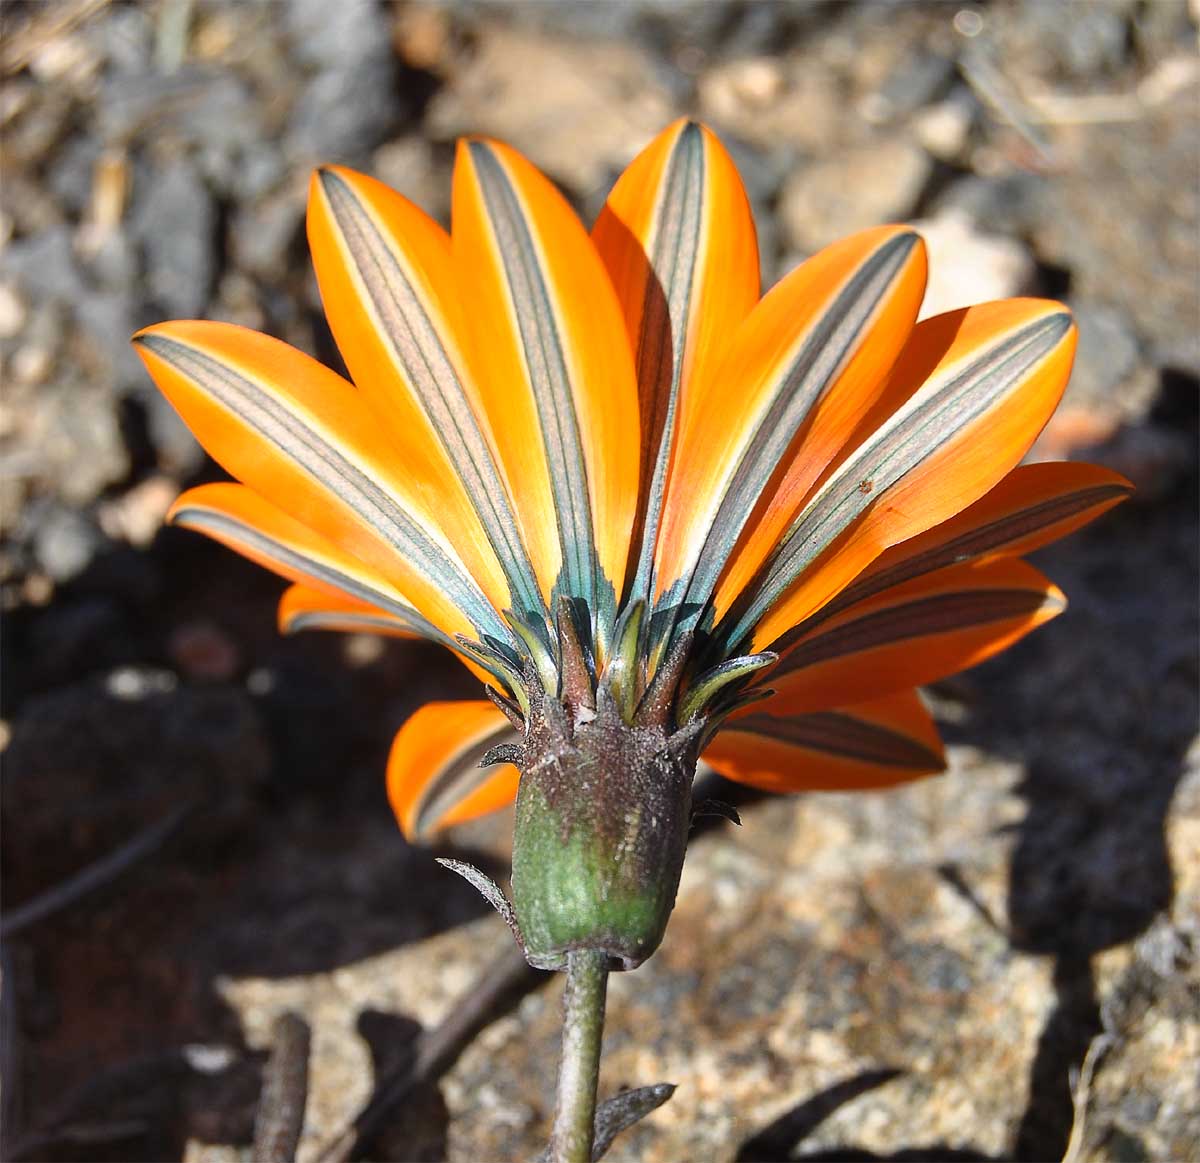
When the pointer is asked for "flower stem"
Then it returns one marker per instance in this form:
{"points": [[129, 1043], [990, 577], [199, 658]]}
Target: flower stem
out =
{"points": [[579, 1068]]}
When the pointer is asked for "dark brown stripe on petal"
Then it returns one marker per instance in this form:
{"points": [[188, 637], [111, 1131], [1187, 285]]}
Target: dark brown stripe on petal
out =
{"points": [[844, 736], [923, 618], [973, 543]]}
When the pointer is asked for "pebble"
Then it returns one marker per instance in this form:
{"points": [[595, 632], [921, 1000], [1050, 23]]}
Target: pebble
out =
{"points": [[852, 190], [175, 219], [261, 233], [44, 265], [609, 94], [773, 104], [1107, 356], [31, 364], [945, 128], [65, 542], [968, 266], [76, 435], [918, 80], [12, 311], [203, 108], [421, 34], [407, 165], [336, 36], [137, 515], [344, 113]]}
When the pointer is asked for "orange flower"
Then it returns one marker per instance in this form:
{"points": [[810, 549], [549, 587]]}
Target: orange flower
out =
{"points": [[602, 470]]}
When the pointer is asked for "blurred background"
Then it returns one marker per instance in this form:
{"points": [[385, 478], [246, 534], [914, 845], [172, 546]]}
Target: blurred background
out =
{"points": [[923, 972]]}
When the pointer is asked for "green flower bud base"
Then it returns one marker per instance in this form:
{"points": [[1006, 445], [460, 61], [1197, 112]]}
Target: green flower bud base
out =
{"points": [[603, 813]]}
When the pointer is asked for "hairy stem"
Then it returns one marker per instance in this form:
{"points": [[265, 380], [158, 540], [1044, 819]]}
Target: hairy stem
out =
{"points": [[579, 1069]]}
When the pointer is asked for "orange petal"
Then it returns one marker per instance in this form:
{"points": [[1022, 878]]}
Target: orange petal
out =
{"points": [[554, 369], [387, 280], [1031, 507], [966, 399], [868, 745], [239, 518], [677, 237], [916, 633], [302, 608], [433, 775], [304, 439], [802, 370]]}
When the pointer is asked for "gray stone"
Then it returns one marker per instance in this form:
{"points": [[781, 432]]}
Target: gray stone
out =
{"points": [[607, 95], [64, 542], [1108, 353], [127, 39], [71, 442], [1123, 216], [968, 265], [175, 220], [1082, 38], [786, 106], [44, 265], [342, 114], [337, 36], [1001, 205], [204, 108], [260, 170], [110, 319], [852, 190], [408, 166], [261, 233], [70, 176], [917, 81], [114, 262]]}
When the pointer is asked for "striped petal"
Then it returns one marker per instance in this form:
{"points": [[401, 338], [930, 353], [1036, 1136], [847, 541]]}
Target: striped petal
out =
{"points": [[869, 745], [965, 401], [387, 282], [239, 518], [1031, 507], [555, 372], [677, 237], [916, 633], [331, 584], [433, 775], [803, 369], [302, 608], [304, 439]]}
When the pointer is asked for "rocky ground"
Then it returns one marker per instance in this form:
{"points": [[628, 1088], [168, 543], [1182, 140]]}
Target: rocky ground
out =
{"points": [[1002, 963]]}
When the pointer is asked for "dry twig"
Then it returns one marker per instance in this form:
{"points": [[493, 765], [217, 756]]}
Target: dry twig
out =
{"points": [[285, 1093], [95, 875]]}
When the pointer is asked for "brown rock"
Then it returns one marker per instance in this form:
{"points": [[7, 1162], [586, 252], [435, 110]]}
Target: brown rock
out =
{"points": [[852, 190], [597, 103], [773, 104]]}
